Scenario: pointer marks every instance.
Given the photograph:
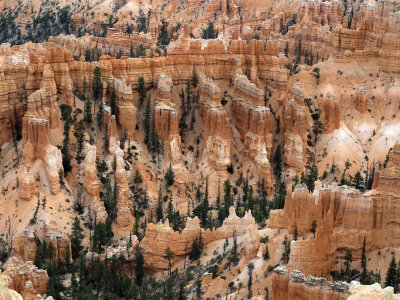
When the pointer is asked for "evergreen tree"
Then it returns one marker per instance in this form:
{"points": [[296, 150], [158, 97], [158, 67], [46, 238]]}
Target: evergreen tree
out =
{"points": [[97, 84], [137, 178], [313, 228], [169, 177], [147, 122], [163, 38], [266, 254], [391, 275], [99, 115], [363, 263], [139, 267], [79, 133], [169, 254], [182, 291], [195, 80], [197, 248], [88, 111], [286, 251], [113, 102], [234, 254], [170, 211], [358, 181], [295, 233], [209, 32], [348, 260], [159, 209], [66, 156], [141, 90], [141, 21], [287, 49], [131, 52], [250, 268], [76, 238]]}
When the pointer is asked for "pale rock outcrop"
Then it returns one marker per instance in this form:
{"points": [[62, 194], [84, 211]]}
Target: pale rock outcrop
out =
{"points": [[332, 113], [27, 186], [217, 132], [374, 292], [254, 122], [43, 114], [5, 292], [160, 236], [344, 218], [24, 244], [166, 118], [91, 183], [53, 160], [361, 100], [124, 209], [388, 180], [26, 278], [295, 129], [126, 109], [296, 286]]}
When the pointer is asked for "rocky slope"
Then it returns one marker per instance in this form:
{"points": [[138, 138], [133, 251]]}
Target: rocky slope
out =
{"points": [[211, 151]]}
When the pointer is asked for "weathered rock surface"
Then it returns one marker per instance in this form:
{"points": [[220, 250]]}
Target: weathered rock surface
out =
{"points": [[91, 184], [5, 292], [217, 131], [340, 213], [161, 236], [26, 278]]}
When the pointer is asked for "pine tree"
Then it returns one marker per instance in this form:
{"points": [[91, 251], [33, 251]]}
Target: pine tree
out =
{"points": [[141, 21], [358, 181], [79, 133], [363, 263], [295, 233], [195, 80], [131, 52], [313, 228], [113, 102], [391, 275], [33, 220], [141, 90], [250, 268], [348, 260], [266, 254], [169, 177], [159, 209], [137, 178], [169, 254], [66, 156], [88, 111], [234, 254], [99, 115], [97, 84], [74, 285], [287, 49], [147, 122], [170, 211], [139, 267], [182, 291]]}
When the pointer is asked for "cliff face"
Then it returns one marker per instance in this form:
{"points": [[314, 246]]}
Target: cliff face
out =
{"points": [[91, 184], [253, 120], [42, 115], [344, 218], [296, 286], [26, 278], [161, 236], [217, 131]]}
